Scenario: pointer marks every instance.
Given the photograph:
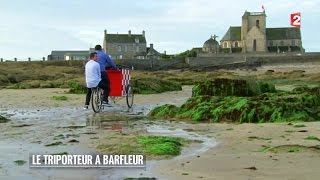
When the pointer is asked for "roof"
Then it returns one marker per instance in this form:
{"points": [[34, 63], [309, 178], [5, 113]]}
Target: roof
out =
{"points": [[140, 54], [233, 34], [246, 13], [283, 33], [62, 53], [152, 52], [124, 38], [211, 43]]}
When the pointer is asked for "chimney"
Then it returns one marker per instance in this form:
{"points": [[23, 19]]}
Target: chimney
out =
{"points": [[165, 52], [143, 33], [105, 32], [129, 33], [151, 46]]}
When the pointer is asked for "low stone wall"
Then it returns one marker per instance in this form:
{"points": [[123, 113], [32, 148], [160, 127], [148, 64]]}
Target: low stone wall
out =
{"points": [[213, 61], [219, 61], [253, 59], [149, 64]]}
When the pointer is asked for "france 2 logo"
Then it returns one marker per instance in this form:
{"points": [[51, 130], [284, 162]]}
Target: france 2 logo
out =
{"points": [[295, 19]]}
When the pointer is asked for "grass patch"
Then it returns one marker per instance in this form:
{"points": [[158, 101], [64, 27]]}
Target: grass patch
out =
{"points": [[299, 126], [312, 138], [77, 88], [160, 145], [152, 146], [3, 119], [20, 162], [59, 98]]}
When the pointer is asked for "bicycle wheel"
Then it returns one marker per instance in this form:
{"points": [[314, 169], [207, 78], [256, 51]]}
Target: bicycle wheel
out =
{"points": [[96, 100], [130, 95]]}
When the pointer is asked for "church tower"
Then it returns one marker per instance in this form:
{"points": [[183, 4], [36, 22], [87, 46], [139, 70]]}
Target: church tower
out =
{"points": [[253, 32]]}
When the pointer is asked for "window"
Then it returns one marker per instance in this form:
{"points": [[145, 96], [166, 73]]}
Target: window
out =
{"points": [[225, 44], [271, 43], [236, 44], [257, 24], [120, 57], [119, 48], [137, 48], [125, 48], [281, 43], [293, 42], [137, 40], [254, 45]]}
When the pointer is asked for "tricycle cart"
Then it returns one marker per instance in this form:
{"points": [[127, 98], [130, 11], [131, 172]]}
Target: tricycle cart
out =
{"points": [[119, 87]]}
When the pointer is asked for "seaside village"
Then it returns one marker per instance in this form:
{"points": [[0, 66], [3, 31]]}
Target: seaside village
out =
{"points": [[244, 106], [252, 36]]}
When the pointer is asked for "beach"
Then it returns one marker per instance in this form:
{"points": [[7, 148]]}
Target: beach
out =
{"points": [[288, 150]]}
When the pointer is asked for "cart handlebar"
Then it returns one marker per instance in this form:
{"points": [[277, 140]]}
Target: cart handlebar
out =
{"points": [[124, 67], [121, 67]]}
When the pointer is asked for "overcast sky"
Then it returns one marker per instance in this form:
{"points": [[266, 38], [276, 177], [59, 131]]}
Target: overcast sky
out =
{"points": [[33, 28]]}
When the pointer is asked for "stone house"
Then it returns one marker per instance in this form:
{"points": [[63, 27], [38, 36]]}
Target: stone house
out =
{"points": [[118, 46], [152, 53], [69, 55], [253, 36], [125, 46]]}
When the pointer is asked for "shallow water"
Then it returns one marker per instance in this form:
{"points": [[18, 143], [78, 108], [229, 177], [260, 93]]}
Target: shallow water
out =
{"points": [[166, 129], [41, 126]]}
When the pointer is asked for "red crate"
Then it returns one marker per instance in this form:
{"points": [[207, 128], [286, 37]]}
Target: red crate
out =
{"points": [[119, 79]]}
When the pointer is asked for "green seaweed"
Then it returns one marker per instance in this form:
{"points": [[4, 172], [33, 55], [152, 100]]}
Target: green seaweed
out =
{"points": [[59, 98], [3, 119], [20, 162], [207, 104]]}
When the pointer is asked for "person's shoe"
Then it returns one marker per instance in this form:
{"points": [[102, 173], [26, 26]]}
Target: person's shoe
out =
{"points": [[86, 107], [105, 103]]}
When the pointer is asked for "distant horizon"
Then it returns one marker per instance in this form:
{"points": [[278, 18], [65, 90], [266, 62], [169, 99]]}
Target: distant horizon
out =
{"points": [[34, 28]]}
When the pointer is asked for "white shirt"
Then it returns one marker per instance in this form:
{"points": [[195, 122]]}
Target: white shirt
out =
{"points": [[93, 74]]}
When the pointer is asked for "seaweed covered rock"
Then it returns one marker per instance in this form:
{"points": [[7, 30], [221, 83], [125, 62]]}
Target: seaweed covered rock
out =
{"points": [[231, 87], [167, 111], [3, 119], [154, 85], [267, 107], [302, 89]]}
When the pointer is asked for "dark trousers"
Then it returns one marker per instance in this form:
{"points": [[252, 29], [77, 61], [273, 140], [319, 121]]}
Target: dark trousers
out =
{"points": [[103, 84], [88, 96]]}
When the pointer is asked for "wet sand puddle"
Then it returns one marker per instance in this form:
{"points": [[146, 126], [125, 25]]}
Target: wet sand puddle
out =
{"points": [[35, 131], [165, 128], [72, 129]]}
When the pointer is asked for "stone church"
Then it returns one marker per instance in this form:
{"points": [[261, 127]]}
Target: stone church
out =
{"points": [[254, 37]]}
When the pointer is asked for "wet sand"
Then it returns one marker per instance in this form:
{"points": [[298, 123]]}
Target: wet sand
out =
{"points": [[238, 153]]}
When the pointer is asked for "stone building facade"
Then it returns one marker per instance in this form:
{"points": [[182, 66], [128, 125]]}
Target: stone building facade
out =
{"points": [[118, 46], [69, 55], [125, 46], [253, 36]]}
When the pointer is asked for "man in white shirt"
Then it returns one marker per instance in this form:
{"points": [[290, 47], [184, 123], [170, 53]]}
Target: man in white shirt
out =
{"points": [[93, 77]]}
